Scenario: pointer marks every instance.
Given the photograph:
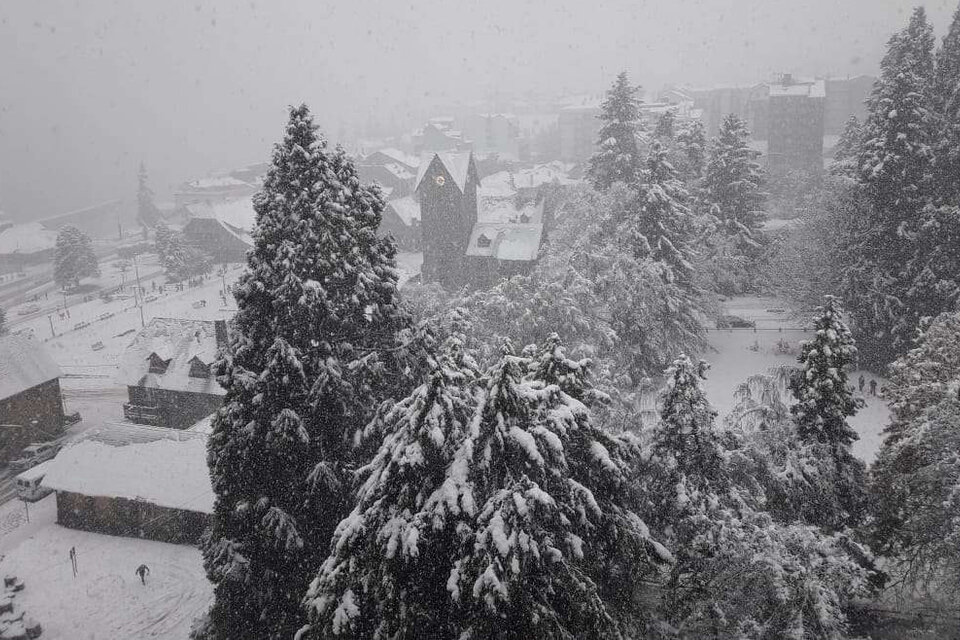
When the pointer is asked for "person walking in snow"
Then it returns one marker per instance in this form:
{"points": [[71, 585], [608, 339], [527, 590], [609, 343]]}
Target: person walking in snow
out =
{"points": [[873, 387], [73, 560], [142, 571], [861, 382]]}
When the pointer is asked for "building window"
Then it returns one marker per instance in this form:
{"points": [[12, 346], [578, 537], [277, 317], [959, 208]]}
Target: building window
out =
{"points": [[483, 241], [199, 369]]}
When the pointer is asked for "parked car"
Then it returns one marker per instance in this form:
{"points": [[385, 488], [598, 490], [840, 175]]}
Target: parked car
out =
{"points": [[734, 322], [27, 310], [34, 454], [29, 488]]}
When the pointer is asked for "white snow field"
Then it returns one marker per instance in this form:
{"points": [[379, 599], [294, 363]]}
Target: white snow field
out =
{"points": [[106, 600], [741, 353]]}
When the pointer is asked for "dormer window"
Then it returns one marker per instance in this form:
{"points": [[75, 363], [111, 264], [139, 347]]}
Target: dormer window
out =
{"points": [[199, 369], [483, 241], [158, 364]]}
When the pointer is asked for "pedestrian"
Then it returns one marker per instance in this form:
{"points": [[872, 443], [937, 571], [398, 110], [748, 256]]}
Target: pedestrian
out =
{"points": [[142, 571], [873, 387], [862, 382], [73, 560]]}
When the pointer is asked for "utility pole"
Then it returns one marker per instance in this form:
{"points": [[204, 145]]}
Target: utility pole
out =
{"points": [[53, 334], [136, 267]]}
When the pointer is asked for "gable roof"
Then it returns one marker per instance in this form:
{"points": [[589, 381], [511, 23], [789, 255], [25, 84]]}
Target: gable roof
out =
{"points": [[457, 164], [23, 365], [407, 209], [179, 340], [409, 161], [238, 212], [508, 241]]}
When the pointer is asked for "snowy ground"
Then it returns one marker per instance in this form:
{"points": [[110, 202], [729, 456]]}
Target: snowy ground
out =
{"points": [[106, 601], [741, 353]]}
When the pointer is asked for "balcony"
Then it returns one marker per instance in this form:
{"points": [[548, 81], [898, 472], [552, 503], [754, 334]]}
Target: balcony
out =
{"points": [[141, 414]]}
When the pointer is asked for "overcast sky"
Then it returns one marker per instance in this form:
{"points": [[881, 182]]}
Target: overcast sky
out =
{"points": [[90, 88]]}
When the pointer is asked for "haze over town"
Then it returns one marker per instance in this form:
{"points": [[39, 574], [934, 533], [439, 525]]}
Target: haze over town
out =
{"points": [[500, 320]]}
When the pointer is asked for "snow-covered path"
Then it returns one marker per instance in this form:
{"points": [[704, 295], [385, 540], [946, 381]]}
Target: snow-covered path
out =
{"points": [[106, 600]]}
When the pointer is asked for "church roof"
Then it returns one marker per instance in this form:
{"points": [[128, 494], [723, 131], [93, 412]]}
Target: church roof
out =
{"points": [[457, 165], [505, 241]]}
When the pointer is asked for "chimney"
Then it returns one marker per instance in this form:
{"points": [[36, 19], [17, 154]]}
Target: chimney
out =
{"points": [[220, 330]]}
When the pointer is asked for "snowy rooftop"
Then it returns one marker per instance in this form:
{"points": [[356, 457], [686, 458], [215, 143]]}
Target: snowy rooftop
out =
{"points": [[408, 209], [402, 157], [505, 241], [456, 164], [498, 185], [38, 471], [555, 171], [177, 342], [216, 182], [23, 365], [810, 89], [164, 472], [27, 238], [501, 210], [237, 213], [401, 171]]}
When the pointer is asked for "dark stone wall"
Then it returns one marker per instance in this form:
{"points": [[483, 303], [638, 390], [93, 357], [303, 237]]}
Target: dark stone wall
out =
{"points": [[129, 518], [39, 410]]}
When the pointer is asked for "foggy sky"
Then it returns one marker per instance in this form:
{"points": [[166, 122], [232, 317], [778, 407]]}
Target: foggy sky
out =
{"points": [[89, 89]]}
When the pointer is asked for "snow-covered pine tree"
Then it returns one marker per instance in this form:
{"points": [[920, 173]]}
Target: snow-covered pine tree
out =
{"points": [[824, 403], [74, 258], [733, 179], [737, 572], [915, 482], [665, 126], [824, 400], [895, 168], [316, 347], [386, 576], [945, 103], [147, 212], [847, 151], [692, 144], [556, 546], [617, 158]]}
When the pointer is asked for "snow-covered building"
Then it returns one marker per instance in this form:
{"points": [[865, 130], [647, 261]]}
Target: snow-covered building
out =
{"points": [[221, 229], [22, 245], [472, 233], [401, 219], [494, 133], [579, 125], [157, 489], [212, 190], [167, 372], [31, 405], [439, 135], [795, 124]]}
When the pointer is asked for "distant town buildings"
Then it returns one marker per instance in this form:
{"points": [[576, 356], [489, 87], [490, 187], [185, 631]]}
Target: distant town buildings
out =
{"points": [[497, 133], [31, 404], [212, 190], [166, 370]]}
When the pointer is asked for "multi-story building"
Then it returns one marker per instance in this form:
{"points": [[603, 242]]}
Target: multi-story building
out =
{"points": [[579, 127], [795, 124]]}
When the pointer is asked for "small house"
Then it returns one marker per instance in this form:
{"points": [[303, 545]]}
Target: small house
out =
{"points": [[158, 490], [31, 404], [168, 375]]}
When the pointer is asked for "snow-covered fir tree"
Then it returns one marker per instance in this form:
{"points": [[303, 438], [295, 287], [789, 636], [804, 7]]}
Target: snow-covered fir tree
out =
{"points": [[895, 167], [945, 103], [73, 258], [147, 212], [387, 573], [848, 148], [915, 482], [692, 144], [824, 404], [738, 573], [617, 158], [733, 179], [555, 538], [664, 130], [824, 399], [317, 344]]}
